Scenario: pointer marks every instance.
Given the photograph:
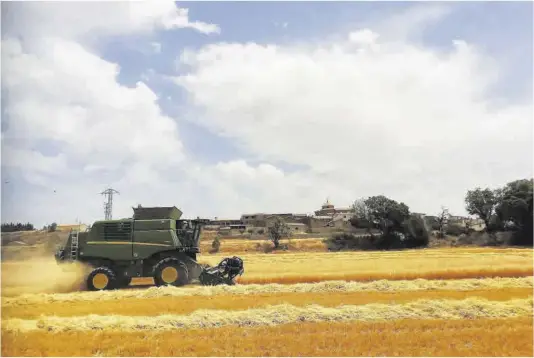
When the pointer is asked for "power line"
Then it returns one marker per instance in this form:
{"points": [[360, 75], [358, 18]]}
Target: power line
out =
{"points": [[108, 205]]}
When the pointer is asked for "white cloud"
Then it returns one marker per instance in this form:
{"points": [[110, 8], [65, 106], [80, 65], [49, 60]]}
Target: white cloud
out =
{"points": [[363, 37], [61, 94], [71, 96], [236, 187], [32, 161], [81, 20], [396, 118]]}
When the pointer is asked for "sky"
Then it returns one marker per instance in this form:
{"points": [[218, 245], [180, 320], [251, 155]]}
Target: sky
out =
{"points": [[228, 108]]}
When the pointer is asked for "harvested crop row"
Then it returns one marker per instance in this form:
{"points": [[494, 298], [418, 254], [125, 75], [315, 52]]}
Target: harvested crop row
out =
{"points": [[254, 289], [282, 314], [186, 305], [458, 252], [442, 274]]}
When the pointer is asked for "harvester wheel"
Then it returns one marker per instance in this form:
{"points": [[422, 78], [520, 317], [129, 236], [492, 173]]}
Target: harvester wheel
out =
{"points": [[101, 278], [170, 271]]}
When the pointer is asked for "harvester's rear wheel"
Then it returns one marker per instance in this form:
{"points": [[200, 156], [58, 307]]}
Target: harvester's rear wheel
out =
{"points": [[170, 271], [101, 278]]}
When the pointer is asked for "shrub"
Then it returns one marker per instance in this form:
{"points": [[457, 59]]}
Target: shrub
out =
{"points": [[416, 232], [215, 245], [413, 233], [346, 241], [486, 239], [455, 230]]}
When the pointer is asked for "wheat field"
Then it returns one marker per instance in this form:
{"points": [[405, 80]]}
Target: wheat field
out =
{"points": [[431, 302]]}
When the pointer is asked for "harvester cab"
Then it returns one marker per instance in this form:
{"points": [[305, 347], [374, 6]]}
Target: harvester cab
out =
{"points": [[156, 242]]}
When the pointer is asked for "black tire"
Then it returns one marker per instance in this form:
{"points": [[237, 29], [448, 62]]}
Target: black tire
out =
{"points": [[100, 279], [178, 273]]}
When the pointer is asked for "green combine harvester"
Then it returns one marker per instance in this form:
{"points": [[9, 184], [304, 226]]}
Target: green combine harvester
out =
{"points": [[155, 243]]}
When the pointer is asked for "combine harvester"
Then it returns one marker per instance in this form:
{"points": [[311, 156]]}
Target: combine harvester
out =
{"points": [[154, 243]]}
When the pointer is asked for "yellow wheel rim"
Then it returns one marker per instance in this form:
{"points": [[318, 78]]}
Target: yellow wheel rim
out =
{"points": [[100, 281], [169, 274]]}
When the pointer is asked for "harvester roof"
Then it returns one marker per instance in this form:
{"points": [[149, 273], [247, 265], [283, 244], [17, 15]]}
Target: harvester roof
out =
{"points": [[159, 212]]}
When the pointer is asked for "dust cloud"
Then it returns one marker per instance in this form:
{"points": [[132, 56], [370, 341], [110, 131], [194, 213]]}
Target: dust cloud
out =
{"points": [[42, 275]]}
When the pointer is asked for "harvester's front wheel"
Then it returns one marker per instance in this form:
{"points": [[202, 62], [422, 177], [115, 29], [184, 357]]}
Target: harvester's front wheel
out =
{"points": [[101, 278], [170, 271]]}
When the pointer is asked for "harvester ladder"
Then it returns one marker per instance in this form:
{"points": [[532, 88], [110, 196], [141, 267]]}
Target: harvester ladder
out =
{"points": [[74, 245]]}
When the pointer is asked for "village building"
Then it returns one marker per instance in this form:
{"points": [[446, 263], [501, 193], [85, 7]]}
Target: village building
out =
{"points": [[256, 220], [328, 209], [327, 219]]}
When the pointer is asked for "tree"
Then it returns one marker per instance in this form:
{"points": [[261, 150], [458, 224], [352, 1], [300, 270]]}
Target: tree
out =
{"points": [[442, 220], [52, 227], [515, 205], [482, 203], [385, 215], [278, 230], [415, 231], [361, 215], [508, 208], [515, 209]]}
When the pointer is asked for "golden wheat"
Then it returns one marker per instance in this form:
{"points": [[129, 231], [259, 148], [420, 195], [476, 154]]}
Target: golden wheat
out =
{"points": [[372, 276], [360, 266], [416, 317], [46, 276], [282, 314], [480, 337]]}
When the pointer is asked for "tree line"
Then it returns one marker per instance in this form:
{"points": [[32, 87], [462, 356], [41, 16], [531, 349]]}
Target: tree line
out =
{"points": [[508, 208], [391, 225], [14, 227], [505, 209]]}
